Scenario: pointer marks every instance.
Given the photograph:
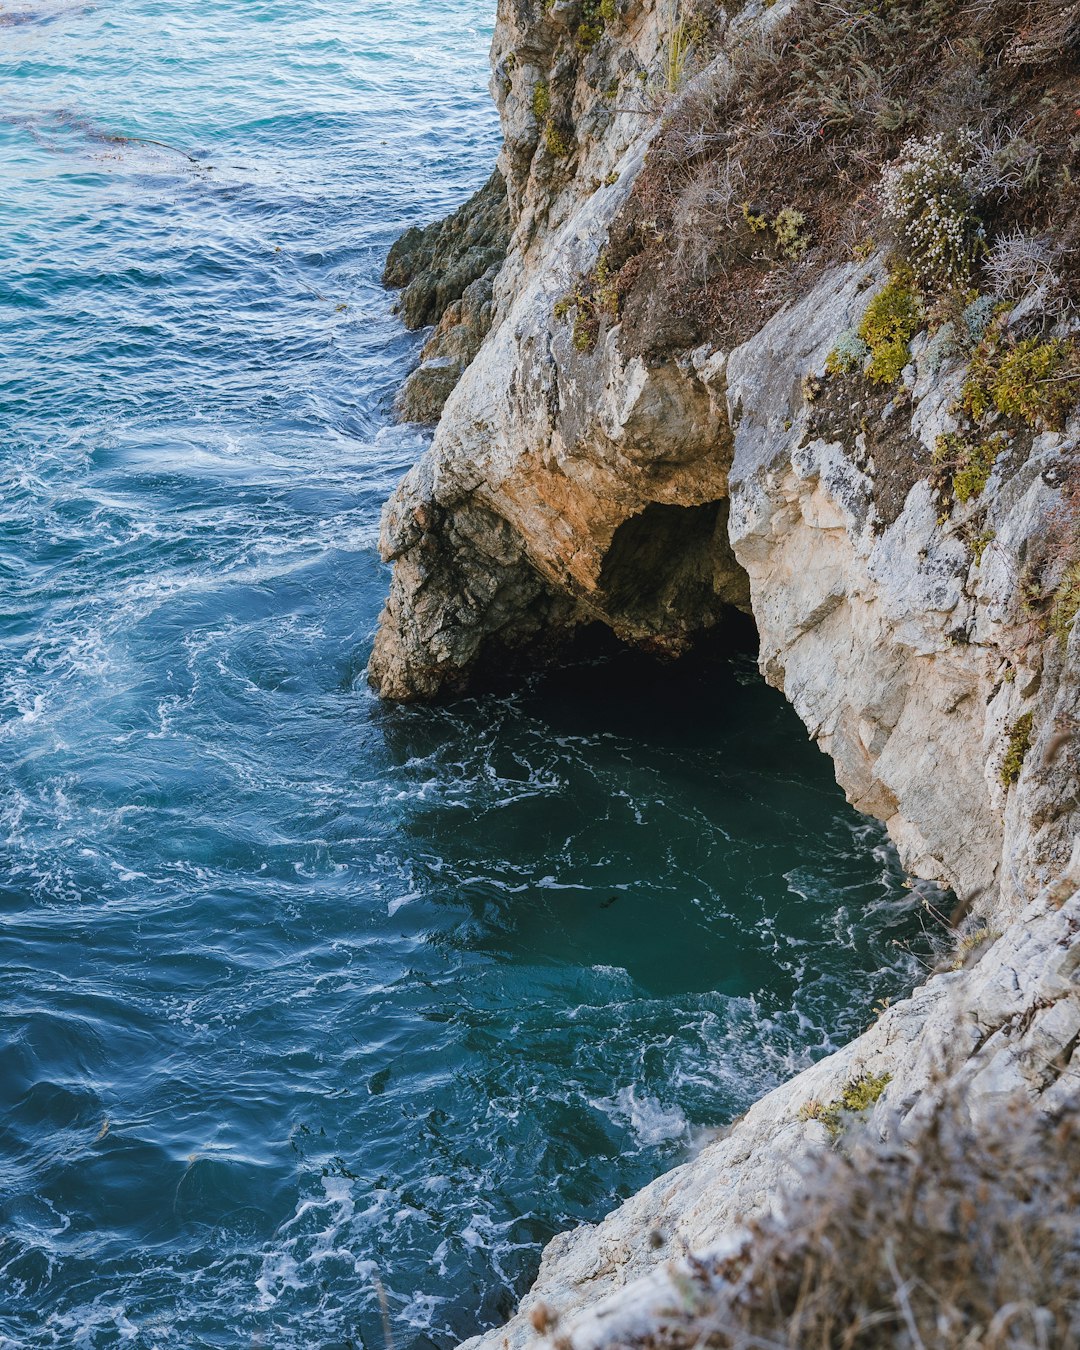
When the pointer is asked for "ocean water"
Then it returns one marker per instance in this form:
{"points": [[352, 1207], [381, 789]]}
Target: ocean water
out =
{"points": [[310, 1003]]}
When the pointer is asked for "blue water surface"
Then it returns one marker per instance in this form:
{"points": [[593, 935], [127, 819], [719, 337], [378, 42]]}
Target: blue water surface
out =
{"points": [[305, 998]]}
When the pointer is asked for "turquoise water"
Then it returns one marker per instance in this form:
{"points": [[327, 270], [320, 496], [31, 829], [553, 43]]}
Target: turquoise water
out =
{"points": [[304, 995]]}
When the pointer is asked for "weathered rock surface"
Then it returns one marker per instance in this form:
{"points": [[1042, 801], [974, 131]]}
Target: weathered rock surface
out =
{"points": [[433, 266], [563, 488], [457, 338], [907, 658], [592, 485], [446, 272]]}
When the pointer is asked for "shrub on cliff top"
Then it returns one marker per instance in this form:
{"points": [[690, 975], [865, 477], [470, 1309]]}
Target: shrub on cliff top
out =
{"points": [[954, 1238], [929, 197], [1022, 265], [808, 114], [891, 320]]}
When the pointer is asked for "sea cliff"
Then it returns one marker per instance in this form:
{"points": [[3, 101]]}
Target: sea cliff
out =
{"points": [[784, 325]]}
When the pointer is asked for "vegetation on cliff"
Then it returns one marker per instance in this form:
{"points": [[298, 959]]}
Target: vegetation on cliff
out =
{"points": [[947, 128], [955, 1237], [943, 135]]}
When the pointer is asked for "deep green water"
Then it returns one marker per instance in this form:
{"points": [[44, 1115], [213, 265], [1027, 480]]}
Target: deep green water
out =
{"points": [[299, 992]]}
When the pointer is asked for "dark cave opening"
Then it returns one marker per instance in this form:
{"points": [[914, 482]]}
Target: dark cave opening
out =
{"points": [[669, 573]]}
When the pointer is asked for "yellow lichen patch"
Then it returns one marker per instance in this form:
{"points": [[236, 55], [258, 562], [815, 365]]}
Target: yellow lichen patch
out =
{"points": [[857, 1096], [558, 147]]}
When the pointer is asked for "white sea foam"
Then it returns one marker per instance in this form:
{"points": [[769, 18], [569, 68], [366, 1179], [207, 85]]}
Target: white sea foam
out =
{"points": [[651, 1121]]}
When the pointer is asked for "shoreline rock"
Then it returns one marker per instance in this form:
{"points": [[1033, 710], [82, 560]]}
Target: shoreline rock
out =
{"points": [[445, 273]]}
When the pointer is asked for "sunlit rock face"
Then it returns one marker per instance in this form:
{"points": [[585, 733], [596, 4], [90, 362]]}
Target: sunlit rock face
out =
{"points": [[908, 657], [569, 482]]}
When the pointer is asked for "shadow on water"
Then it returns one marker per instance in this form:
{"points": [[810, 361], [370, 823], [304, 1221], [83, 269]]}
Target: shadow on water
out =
{"points": [[632, 837], [44, 14]]}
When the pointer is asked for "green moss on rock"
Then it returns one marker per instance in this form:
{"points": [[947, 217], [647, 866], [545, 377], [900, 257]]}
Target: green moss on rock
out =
{"points": [[891, 320], [1066, 604], [1016, 751]]}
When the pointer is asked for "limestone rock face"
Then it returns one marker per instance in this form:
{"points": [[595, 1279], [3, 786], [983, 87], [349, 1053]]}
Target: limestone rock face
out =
{"points": [[571, 103], [908, 657]]}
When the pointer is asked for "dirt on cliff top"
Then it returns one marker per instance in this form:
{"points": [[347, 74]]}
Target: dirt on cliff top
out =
{"points": [[952, 1237]]}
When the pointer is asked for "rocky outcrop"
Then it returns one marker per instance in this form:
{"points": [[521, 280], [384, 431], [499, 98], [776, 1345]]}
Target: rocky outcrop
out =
{"points": [[582, 476], [445, 273], [591, 485], [585, 490]]}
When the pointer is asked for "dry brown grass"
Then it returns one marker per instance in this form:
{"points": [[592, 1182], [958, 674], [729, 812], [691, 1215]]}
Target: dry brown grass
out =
{"points": [[959, 1238], [805, 120]]}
